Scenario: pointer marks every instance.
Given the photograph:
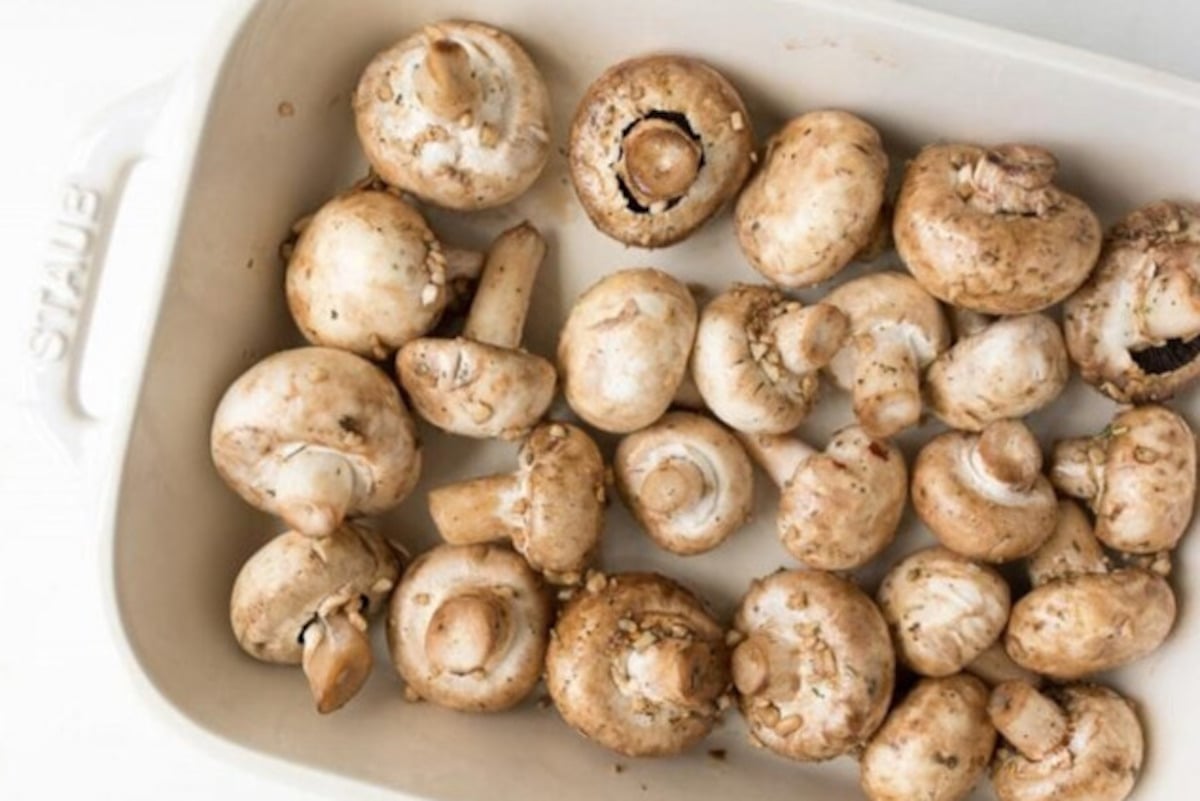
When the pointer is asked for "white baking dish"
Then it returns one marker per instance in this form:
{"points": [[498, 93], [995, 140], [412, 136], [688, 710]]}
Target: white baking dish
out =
{"points": [[246, 169]]}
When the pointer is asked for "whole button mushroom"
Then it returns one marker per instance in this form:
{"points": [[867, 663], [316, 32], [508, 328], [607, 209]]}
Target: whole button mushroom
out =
{"points": [[315, 435], [816, 201], [623, 351], [934, 746], [305, 600], [983, 495], [814, 667], [687, 481], [468, 626], [1132, 327], [757, 357], [552, 507], [482, 384], [1138, 476], [456, 114], [986, 229], [637, 664], [896, 331], [657, 146]]}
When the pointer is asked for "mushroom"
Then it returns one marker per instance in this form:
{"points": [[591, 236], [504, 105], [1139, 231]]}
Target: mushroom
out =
{"points": [[1009, 369], [983, 495], [303, 600], [468, 626], [456, 114], [482, 384], [637, 664], [552, 507], [840, 508], [1072, 550], [986, 229], [896, 331], [657, 146], [814, 666], [623, 351], [1132, 327], [943, 610], [315, 435], [995, 666], [816, 201], [1076, 743], [934, 746], [757, 355], [687, 481], [1138, 475]]}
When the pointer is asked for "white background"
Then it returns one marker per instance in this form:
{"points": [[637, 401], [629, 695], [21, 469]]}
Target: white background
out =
{"points": [[71, 723]]}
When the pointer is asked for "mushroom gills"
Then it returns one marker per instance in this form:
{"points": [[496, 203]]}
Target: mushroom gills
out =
{"points": [[656, 181], [1167, 357]]}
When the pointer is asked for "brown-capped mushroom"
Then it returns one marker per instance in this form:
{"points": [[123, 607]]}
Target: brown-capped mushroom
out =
{"points": [[315, 435], [552, 507], [657, 146], [814, 666], [1132, 327], [983, 495], [986, 229], [934, 746], [468, 626], [303, 600], [623, 351], [757, 357], [637, 664], [482, 384], [816, 201], [456, 114], [896, 331], [1138, 475]]}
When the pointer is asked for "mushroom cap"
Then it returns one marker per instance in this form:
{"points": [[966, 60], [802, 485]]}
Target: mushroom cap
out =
{"points": [[943, 609], [687, 481], [1131, 328], [474, 389], [935, 745], [814, 203], [984, 228], [468, 626], [624, 348], [480, 159], [285, 584], [815, 668], [322, 400], [638, 664], [978, 381], [1099, 760], [698, 126]]}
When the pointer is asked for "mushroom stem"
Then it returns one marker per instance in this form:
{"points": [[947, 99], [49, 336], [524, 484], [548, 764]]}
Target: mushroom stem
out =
{"points": [[314, 489], [1030, 721], [337, 658], [1171, 308], [1072, 549], [967, 323], [478, 511], [780, 455], [466, 631], [671, 670], [750, 665], [1008, 453], [444, 82], [1076, 467], [995, 666], [808, 337], [887, 396], [661, 160], [463, 264], [672, 485], [498, 313], [1016, 179]]}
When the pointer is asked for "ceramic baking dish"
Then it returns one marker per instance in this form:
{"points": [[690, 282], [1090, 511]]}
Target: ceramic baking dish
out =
{"points": [[261, 134]]}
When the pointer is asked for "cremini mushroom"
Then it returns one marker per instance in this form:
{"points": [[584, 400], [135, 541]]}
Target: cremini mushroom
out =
{"points": [[757, 357], [813, 666], [315, 435], [986, 229], [305, 600], [552, 507], [934, 746], [687, 481], [482, 384], [1138, 475], [1132, 327], [637, 664], [468, 626], [623, 351], [456, 114], [657, 146], [896, 331], [815, 203], [983, 495]]}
